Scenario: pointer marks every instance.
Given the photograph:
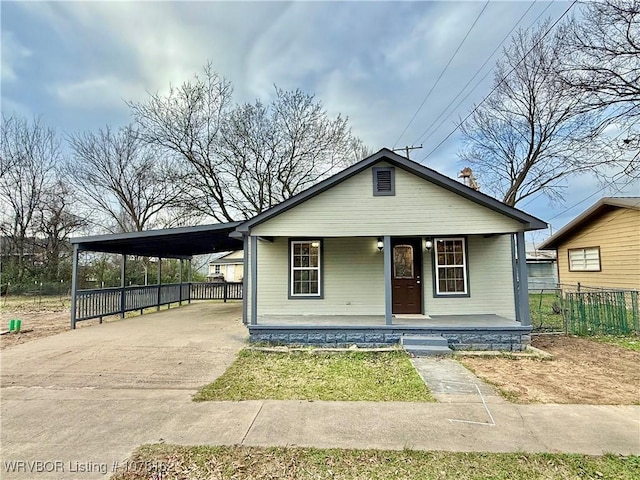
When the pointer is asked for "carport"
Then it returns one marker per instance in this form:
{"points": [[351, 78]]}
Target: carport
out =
{"points": [[177, 243]]}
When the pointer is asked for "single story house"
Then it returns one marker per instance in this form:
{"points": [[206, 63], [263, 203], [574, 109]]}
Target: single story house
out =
{"points": [[383, 251], [601, 246], [387, 248], [228, 267]]}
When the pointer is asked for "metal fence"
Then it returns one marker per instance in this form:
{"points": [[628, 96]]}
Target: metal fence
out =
{"points": [[103, 302], [585, 310]]}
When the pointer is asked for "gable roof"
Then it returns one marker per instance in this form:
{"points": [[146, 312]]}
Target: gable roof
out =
{"points": [[223, 260], [530, 222], [600, 207]]}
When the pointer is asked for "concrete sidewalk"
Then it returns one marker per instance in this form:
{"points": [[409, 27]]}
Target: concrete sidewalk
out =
{"points": [[86, 399], [103, 428]]}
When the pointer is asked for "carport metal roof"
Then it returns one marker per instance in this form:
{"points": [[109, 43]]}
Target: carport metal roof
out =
{"points": [[182, 242]]}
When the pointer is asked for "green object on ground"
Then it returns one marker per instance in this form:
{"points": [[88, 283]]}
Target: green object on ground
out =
{"points": [[14, 325]]}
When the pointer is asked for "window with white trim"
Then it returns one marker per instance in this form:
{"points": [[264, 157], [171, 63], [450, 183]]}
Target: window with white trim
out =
{"points": [[584, 259], [451, 266], [305, 268], [216, 269]]}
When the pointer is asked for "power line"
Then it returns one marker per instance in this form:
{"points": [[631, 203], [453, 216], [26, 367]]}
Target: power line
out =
{"points": [[477, 73], [442, 73], [500, 82], [628, 129], [609, 184]]}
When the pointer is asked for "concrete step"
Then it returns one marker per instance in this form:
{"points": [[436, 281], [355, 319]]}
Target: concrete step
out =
{"points": [[427, 350], [424, 340]]}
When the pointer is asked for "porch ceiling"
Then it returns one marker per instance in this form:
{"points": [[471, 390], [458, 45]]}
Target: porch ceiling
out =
{"points": [[183, 242]]}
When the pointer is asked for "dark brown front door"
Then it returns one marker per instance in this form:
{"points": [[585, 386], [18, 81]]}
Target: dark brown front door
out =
{"points": [[406, 270]]}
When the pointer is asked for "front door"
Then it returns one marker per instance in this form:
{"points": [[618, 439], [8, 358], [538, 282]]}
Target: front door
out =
{"points": [[406, 270]]}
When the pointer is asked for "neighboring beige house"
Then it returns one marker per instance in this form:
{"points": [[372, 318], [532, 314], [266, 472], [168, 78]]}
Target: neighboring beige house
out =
{"points": [[601, 246], [228, 268]]}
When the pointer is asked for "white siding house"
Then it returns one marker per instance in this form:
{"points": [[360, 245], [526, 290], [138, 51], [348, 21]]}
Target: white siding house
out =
{"points": [[386, 243]]}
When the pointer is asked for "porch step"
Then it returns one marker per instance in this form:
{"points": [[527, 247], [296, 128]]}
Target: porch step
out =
{"points": [[424, 345]]}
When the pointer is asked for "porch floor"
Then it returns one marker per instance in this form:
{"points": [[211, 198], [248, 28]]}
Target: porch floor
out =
{"points": [[432, 321]]}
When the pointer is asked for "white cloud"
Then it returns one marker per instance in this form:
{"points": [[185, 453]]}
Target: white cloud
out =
{"points": [[103, 92], [13, 54]]}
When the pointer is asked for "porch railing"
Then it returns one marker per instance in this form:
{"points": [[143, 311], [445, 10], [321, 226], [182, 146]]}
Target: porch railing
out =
{"points": [[103, 302]]}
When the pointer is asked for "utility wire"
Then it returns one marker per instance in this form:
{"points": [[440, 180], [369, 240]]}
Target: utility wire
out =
{"points": [[500, 82], [605, 223], [442, 73], [611, 140], [476, 74]]}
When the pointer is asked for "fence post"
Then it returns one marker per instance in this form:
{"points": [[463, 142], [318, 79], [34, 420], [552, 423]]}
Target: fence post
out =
{"points": [[225, 293]]}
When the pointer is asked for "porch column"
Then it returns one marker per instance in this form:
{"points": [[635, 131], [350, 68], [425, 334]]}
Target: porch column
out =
{"points": [[514, 272], [245, 261], [525, 319], [123, 300], [254, 280], [388, 312], [74, 284], [159, 283]]}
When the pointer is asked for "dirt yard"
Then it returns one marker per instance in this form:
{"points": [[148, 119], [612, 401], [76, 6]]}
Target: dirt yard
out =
{"points": [[41, 317], [582, 371]]}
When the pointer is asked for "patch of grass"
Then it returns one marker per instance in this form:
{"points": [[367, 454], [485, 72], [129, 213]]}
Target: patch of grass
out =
{"points": [[310, 375], [35, 303], [630, 342], [191, 463], [546, 312]]}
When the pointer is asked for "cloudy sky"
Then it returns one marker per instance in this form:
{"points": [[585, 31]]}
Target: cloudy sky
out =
{"points": [[76, 63]]}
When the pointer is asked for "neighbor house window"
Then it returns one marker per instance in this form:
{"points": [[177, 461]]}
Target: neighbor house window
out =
{"points": [[305, 268], [216, 269], [451, 266], [584, 259]]}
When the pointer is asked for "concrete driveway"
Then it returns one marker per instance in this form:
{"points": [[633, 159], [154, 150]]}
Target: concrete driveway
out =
{"points": [[177, 349], [89, 395]]}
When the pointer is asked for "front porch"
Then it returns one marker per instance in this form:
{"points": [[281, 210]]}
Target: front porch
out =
{"points": [[463, 332]]}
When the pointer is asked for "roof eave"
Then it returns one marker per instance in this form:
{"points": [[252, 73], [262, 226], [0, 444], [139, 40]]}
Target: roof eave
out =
{"points": [[529, 221]]}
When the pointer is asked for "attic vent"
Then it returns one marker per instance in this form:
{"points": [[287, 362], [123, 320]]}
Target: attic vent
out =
{"points": [[384, 181]]}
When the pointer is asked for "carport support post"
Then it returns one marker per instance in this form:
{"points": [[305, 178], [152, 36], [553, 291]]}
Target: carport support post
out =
{"points": [[189, 279], [180, 280], [123, 270], [74, 284], [388, 314], [523, 287], [159, 283]]}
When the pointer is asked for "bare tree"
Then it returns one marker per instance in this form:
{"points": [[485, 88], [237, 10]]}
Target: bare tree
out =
{"points": [[238, 161], [56, 222], [532, 132], [273, 152], [30, 151], [186, 121], [122, 177], [602, 56]]}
